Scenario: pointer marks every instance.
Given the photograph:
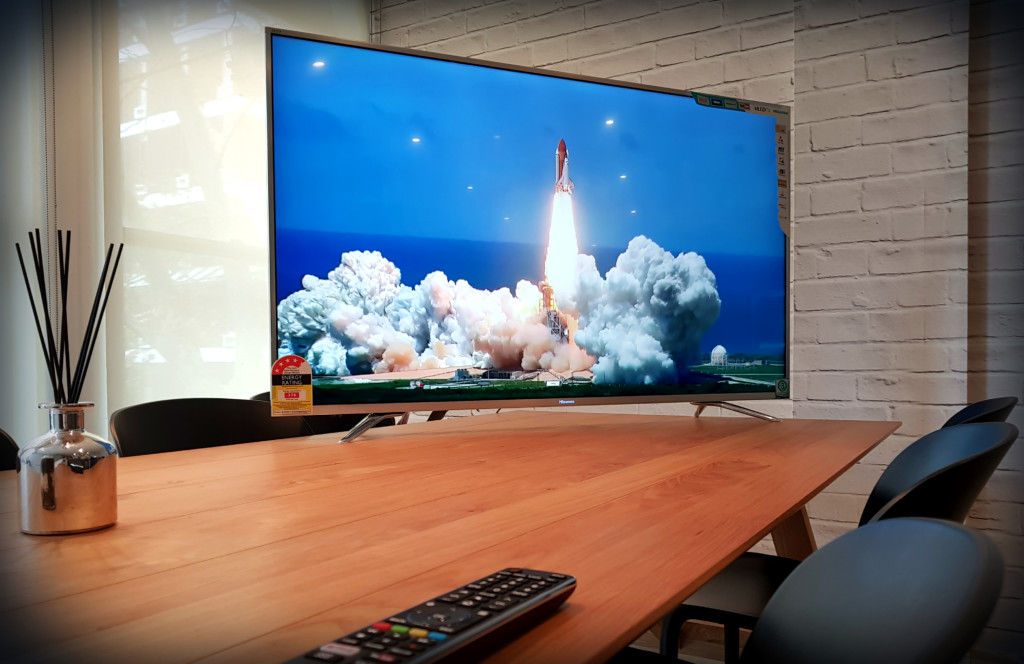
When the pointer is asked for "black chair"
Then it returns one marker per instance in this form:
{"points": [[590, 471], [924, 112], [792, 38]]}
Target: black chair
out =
{"points": [[939, 476], [185, 424], [895, 591], [989, 410], [8, 452], [330, 423]]}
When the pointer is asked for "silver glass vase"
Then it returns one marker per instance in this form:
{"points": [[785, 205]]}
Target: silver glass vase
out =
{"points": [[68, 476]]}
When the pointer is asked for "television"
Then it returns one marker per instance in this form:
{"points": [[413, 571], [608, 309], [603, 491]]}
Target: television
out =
{"points": [[450, 233]]}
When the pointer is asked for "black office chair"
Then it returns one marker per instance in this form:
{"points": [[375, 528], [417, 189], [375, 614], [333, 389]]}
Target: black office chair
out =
{"points": [[895, 591], [8, 452], [989, 410], [939, 476], [330, 423], [185, 424]]}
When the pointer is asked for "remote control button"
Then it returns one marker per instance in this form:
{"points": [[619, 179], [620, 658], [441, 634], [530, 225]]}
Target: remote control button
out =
{"points": [[399, 629], [342, 649], [418, 632], [324, 656], [437, 636], [383, 657], [382, 626], [403, 652]]}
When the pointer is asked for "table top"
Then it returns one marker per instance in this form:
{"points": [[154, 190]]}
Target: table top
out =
{"points": [[259, 552]]}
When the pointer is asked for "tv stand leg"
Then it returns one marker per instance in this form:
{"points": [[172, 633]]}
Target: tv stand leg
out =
{"points": [[366, 423], [735, 408]]}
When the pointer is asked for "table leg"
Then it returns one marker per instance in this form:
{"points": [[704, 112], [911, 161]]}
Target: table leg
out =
{"points": [[793, 537]]}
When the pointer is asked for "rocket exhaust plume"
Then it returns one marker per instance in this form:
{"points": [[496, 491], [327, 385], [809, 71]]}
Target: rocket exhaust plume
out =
{"points": [[560, 261]]}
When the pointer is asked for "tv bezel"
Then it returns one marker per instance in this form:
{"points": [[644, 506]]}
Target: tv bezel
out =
{"points": [[779, 111]]}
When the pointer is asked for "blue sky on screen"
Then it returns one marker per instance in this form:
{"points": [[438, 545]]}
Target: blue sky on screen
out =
{"points": [[696, 179]]}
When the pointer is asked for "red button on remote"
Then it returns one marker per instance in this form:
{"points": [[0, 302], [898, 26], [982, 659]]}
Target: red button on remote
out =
{"points": [[382, 626]]}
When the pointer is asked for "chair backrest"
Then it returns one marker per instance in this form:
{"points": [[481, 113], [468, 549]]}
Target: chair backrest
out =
{"points": [[8, 452], [892, 592], [330, 423], [989, 410], [185, 424], [941, 474]]}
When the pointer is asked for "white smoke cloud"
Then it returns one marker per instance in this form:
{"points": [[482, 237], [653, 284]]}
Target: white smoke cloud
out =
{"points": [[640, 324]]}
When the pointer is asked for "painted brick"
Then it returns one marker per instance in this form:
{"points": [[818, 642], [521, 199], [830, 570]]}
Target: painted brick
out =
{"points": [[842, 228], [947, 321], [497, 14], [737, 11], [1002, 50], [517, 55], [1002, 516], [991, 18], [681, 21], [841, 70], [919, 156], [859, 479], [836, 507], [803, 77], [920, 256], [1002, 320], [998, 254], [888, 449], [1005, 149], [958, 84], [845, 294], [804, 333], [803, 169], [839, 133], [719, 41], [613, 11], [842, 261], [675, 50], [998, 116], [947, 219], [946, 185], [998, 184], [602, 40], [892, 192], [502, 36], [845, 102], [925, 23], [931, 55], [758, 62], [845, 38], [402, 15], [548, 51], [724, 89], [922, 90], [841, 327], [831, 386], [766, 32], [438, 8], [801, 138], [631, 60], [901, 325], [397, 37], [880, 64], [872, 7], [776, 89], [997, 84], [930, 355], [818, 14], [465, 46], [919, 419], [996, 219], [937, 120], [956, 151], [844, 411], [688, 76], [938, 388], [924, 290], [550, 25], [436, 30], [850, 163]]}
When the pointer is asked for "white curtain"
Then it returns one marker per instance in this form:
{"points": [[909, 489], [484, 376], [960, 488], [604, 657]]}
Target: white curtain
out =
{"points": [[160, 136]]}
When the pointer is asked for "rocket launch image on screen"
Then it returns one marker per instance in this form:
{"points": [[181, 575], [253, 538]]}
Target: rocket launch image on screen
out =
{"points": [[429, 244]]}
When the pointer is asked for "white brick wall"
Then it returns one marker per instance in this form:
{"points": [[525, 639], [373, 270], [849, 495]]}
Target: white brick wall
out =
{"points": [[995, 291], [900, 310]]}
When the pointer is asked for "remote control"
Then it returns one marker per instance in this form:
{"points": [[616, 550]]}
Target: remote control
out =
{"points": [[461, 623]]}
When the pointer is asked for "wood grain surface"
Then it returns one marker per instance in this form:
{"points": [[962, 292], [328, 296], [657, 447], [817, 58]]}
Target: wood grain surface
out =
{"points": [[258, 552]]}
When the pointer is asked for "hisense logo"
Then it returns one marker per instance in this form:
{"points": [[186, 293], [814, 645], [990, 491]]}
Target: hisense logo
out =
{"points": [[567, 402]]}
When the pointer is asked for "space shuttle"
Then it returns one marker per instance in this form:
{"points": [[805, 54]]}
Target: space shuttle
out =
{"points": [[562, 181]]}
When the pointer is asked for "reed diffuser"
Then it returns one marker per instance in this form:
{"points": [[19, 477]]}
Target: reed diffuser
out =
{"points": [[67, 476]]}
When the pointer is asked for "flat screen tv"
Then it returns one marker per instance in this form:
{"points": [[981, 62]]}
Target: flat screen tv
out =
{"points": [[449, 233]]}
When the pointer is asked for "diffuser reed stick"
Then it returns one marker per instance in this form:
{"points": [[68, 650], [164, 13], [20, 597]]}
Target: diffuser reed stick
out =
{"points": [[55, 344]]}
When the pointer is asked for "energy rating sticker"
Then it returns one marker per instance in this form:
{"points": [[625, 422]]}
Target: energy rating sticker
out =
{"points": [[291, 387]]}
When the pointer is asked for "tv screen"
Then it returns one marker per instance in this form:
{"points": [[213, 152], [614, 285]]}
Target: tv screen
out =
{"points": [[450, 233]]}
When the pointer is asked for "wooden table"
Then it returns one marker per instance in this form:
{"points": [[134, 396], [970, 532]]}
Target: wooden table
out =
{"points": [[258, 552]]}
